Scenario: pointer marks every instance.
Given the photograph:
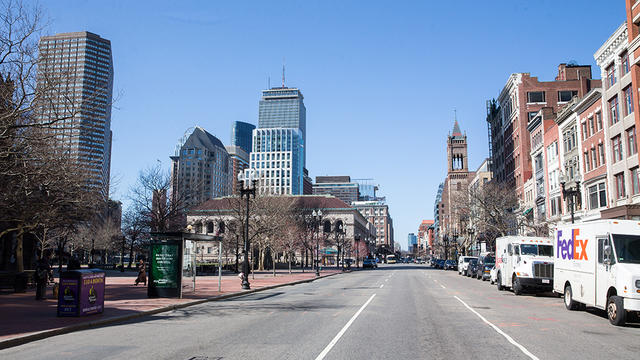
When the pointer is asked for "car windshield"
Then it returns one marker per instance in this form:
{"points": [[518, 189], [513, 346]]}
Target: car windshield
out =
{"points": [[489, 260], [473, 261], [627, 248]]}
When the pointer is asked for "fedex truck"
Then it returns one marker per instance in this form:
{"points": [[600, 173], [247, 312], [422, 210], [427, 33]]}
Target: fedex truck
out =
{"points": [[597, 264], [524, 263]]}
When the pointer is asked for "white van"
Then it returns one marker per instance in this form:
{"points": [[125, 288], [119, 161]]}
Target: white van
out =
{"points": [[463, 264], [598, 264], [524, 263]]}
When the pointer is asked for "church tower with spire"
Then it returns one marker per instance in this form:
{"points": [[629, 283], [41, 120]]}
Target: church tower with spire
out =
{"points": [[452, 223], [457, 151]]}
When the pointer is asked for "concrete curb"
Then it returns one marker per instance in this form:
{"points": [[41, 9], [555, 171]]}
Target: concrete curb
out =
{"points": [[21, 340]]}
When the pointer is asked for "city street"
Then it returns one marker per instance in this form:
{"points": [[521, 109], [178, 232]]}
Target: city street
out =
{"points": [[395, 311]]}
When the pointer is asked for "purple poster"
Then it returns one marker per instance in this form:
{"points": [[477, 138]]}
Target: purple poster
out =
{"points": [[91, 294], [67, 295]]}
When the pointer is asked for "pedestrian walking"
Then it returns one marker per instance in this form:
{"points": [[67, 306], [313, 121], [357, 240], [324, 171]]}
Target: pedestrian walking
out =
{"points": [[43, 275], [74, 263], [142, 274]]}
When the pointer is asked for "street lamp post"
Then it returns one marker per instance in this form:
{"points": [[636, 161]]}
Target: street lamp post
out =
{"points": [[247, 183], [572, 194], [317, 217], [357, 240]]}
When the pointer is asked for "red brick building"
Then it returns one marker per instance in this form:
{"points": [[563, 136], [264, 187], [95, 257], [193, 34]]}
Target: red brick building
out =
{"points": [[519, 101]]}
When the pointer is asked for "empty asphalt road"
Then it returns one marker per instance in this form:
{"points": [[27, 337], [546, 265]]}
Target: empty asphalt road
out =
{"points": [[396, 311]]}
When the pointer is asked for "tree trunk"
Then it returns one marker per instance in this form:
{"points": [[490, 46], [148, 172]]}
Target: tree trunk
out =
{"points": [[273, 258], [19, 250], [133, 239], [237, 252], [290, 263]]}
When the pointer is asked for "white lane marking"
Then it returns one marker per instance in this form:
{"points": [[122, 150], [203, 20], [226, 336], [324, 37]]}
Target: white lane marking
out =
{"points": [[385, 280], [442, 286], [497, 329], [381, 286], [344, 329]]}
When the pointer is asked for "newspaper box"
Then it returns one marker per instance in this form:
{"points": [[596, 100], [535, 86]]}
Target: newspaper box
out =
{"points": [[81, 292]]}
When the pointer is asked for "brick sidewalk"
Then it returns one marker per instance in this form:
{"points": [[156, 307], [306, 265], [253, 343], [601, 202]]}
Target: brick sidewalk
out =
{"points": [[22, 315]]}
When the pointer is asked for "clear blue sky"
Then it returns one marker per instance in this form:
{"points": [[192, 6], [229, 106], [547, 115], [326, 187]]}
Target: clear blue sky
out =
{"points": [[380, 79]]}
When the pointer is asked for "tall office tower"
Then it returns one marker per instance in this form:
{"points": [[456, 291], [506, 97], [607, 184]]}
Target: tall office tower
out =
{"points": [[283, 107], [201, 168], [277, 156], [279, 142], [241, 134], [75, 71]]}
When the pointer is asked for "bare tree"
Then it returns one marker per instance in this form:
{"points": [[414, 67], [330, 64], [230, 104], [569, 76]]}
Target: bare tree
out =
{"points": [[153, 199]]}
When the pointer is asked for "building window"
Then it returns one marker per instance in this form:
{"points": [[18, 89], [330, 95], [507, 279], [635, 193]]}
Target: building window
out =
{"points": [[585, 134], [566, 95], [597, 196], [535, 97], [592, 128], [624, 63], [616, 148], [587, 165], [631, 141], [532, 114], [594, 159], [628, 100], [601, 154], [555, 206], [611, 75], [620, 185], [613, 110], [599, 120], [635, 186]]}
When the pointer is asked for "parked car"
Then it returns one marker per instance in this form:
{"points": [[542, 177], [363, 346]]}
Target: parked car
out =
{"points": [[463, 262], [369, 263], [450, 265], [440, 264], [485, 264], [472, 267]]}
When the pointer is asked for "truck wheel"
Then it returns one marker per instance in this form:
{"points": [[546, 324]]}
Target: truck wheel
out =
{"points": [[615, 311], [499, 282], [569, 303], [517, 287]]}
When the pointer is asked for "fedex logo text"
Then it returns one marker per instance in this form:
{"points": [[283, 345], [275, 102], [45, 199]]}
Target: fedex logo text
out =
{"points": [[573, 248]]}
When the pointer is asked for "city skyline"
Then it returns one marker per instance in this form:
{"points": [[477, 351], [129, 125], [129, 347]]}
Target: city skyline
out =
{"points": [[231, 81]]}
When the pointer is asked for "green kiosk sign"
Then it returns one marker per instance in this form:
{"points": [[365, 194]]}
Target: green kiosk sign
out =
{"points": [[165, 273]]}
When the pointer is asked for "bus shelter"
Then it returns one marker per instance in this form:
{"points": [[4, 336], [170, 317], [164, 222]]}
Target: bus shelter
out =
{"points": [[172, 263]]}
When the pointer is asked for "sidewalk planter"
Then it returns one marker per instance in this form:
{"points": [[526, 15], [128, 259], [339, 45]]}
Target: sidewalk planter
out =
{"points": [[81, 292]]}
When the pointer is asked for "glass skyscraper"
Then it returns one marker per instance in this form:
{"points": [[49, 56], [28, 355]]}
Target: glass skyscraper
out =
{"points": [[278, 151], [283, 107], [76, 72], [241, 133], [277, 155]]}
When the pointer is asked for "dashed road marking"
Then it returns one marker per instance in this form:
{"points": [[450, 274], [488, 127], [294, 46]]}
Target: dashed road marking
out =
{"points": [[381, 286], [497, 329], [442, 286]]}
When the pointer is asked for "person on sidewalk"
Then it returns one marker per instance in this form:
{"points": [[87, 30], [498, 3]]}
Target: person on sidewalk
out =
{"points": [[43, 274], [142, 274]]}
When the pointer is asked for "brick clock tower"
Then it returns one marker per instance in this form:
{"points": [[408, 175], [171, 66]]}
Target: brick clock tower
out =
{"points": [[455, 186]]}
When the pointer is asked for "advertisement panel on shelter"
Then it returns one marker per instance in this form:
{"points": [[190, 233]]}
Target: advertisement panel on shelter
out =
{"points": [[165, 267], [92, 293]]}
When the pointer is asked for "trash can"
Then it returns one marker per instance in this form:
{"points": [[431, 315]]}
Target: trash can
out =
{"points": [[81, 292]]}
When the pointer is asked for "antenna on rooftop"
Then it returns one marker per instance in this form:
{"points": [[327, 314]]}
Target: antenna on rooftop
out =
{"points": [[269, 82], [283, 72], [455, 114]]}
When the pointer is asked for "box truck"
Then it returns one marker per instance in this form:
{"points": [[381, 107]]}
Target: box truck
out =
{"points": [[597, 264], [524, 263]]}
